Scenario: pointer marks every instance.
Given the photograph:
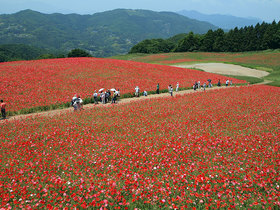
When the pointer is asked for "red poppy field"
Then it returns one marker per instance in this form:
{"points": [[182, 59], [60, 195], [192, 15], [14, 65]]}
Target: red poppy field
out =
{"points": [[29, 84], [216, 149]]}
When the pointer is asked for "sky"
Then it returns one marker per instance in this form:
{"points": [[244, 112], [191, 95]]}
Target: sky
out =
{"points": [[266, 10]]}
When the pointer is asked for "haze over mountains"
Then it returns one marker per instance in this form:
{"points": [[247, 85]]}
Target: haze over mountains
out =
{"points": [[222, 21]]}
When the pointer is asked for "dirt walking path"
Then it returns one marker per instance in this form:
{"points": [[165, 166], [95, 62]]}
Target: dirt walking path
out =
{"points": [[226, 69], [120, 101], [218, 68]]}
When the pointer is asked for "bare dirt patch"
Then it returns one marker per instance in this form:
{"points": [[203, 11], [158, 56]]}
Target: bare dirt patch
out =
{"points": [[226, 69]]}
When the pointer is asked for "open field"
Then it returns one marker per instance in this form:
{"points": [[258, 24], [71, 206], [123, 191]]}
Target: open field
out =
{"points": [[30, 86], [216, 149], [226, 69], [202, 150], [265, 60]]}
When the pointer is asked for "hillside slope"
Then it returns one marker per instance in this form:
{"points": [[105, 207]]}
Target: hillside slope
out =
{"points": [[103, 34]]}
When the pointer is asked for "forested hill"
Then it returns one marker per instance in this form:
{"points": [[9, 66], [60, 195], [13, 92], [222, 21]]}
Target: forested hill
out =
{"points": [[253, 38], [103, 34]]}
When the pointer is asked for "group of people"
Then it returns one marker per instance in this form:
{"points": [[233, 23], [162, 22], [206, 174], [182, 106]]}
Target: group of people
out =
{"points": [[100, 96], [197, 85], [137, 92], [106, 96], [77, 103]]}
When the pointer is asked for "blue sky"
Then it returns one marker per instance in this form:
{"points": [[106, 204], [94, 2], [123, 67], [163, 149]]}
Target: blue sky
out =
{"points": [[267, 10]]}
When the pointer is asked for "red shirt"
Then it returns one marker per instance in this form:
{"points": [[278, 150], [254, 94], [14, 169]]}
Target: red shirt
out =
{"points": [[3, 105]]}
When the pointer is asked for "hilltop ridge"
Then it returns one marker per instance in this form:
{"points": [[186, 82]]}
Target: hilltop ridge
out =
{"points": [[103, 34]]}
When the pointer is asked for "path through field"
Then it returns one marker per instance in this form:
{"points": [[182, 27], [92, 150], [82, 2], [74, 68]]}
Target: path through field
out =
{"points": [[218, 68], [120, 101]]}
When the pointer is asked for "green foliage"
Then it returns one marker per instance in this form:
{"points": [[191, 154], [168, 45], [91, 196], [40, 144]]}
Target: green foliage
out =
{"points": [[78, 53], [251, 80], [188, 44], [153, 46], [10, 52], [102, 34], [46, 56], [261, 37], [14, 52]]}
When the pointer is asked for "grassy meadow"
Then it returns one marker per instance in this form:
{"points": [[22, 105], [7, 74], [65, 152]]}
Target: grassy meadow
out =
{"points": [[268, 60]]}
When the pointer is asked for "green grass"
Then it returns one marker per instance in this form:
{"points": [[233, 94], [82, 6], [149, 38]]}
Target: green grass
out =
{"points": [[251, 80], [129, 56], [268, 60]]}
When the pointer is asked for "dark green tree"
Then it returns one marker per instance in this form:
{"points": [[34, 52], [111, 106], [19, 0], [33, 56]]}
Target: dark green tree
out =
{"points": [[190, 43], [78, 53], [208, 41], [219, 44], [270, 38], [153, 46]]}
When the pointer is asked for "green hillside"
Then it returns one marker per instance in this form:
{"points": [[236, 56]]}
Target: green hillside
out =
{"points": [[103, 34], [10, 52]]}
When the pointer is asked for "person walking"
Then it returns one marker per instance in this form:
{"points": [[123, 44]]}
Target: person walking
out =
{"points": [[209, 83], [194, 86], [114, 98], [204, 86], [108, 96], [118, 93], [95, 97], [177, 87], [79, 102], [74, 102], [219, 83], [145, 93], [102, 96], [137, 90], [3, 109], [171, 90], [157, 89], [227, 82]]}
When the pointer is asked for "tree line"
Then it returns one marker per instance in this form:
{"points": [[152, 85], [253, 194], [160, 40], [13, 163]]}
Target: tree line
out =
{"points": [[251, 38], [14, 52]]}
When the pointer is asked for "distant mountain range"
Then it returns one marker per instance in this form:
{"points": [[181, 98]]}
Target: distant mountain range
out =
{"points": [[222, 21], [103, 34]]}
